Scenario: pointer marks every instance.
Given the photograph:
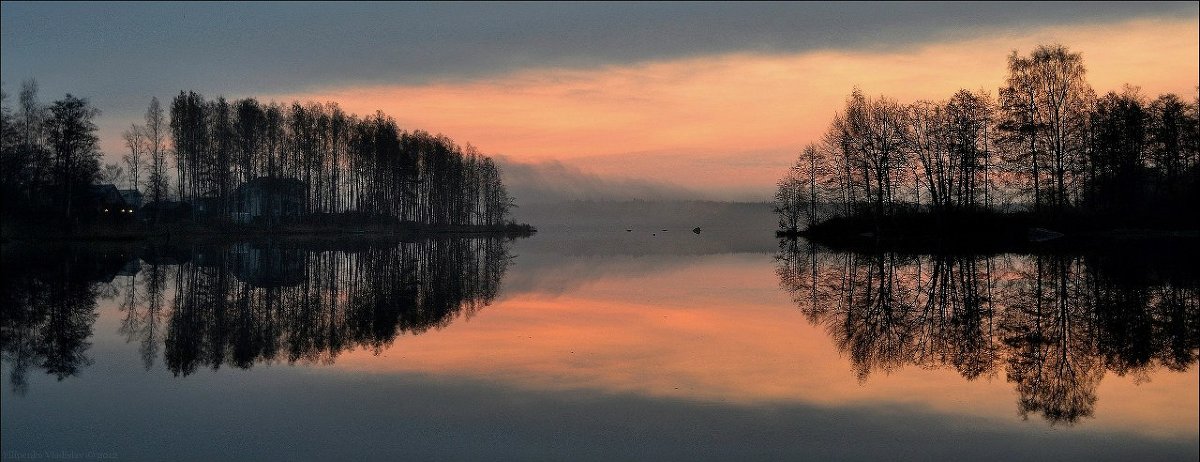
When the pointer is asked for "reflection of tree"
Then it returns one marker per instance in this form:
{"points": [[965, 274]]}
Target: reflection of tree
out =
{"points": [[339, 300], [152, 324], [1177, 325], [243, 304], [1052, 350], [47, 311], [878, 334], [142, 303], [1054, 323], [957, 318]]}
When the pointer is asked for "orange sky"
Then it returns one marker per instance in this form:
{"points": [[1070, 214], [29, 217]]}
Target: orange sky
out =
{"points": [[730, 124]]}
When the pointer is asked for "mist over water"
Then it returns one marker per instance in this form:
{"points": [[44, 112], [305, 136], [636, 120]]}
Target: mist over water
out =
{"points": [[554, 182]]}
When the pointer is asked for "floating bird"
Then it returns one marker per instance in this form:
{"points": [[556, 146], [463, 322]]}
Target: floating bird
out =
{"points": [[629, 230]]}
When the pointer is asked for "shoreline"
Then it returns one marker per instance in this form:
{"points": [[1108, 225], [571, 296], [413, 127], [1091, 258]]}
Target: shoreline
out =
{"points": [[986, 231], [190, 232]]}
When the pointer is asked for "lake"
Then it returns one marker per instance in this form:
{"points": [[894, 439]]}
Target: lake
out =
{"points": [[618, 334]]}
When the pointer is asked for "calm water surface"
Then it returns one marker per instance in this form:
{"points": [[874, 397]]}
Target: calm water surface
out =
{"points": [[593, 342]]}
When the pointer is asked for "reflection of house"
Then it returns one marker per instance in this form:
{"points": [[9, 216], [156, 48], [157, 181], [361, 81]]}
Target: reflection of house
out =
{"points": [[132, 198], [268, 199], [267, 266], [104, 201]]}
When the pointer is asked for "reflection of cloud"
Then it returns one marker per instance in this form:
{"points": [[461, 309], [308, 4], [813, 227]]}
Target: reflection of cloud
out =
{"points": [[712, 328], [284, 413], [716, 329], [541, 275]]}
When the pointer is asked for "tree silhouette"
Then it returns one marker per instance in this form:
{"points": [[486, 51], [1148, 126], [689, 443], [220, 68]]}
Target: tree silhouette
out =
{"points": [[71, 135], [1047, 145]]}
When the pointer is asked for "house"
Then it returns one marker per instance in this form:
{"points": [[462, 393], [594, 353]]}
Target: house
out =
{"points": [[269, 200], [104, 202], [132, 197]]}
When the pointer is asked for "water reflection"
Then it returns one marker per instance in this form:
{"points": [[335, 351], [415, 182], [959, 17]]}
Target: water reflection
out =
{"points": [[239, 305], [47, 316], [710, 328], [1052, 324]]}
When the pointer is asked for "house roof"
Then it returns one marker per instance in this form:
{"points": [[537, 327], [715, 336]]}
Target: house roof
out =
{"points": [[104, 191], [106, 188]]}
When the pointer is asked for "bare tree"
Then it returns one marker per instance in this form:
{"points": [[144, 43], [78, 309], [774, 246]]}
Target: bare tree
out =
{"points": [[112, 173], [1022, 122], [135, 141], [1066, 100], [155, 133], [789, 201], [1045, 103]]}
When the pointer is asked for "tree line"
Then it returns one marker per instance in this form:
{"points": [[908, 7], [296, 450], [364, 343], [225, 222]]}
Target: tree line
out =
{"points": [[200, 151], [1046, 144], [367, 166]]}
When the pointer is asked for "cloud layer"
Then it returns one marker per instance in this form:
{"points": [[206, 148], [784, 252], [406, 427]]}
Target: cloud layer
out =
{"points": [[717, 97]]}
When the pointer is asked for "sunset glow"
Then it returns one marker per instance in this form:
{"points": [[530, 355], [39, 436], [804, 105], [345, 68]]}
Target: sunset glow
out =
{"points": [[737, 120]]}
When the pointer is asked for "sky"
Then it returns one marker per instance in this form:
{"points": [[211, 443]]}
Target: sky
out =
{"points": [[706, 100]]}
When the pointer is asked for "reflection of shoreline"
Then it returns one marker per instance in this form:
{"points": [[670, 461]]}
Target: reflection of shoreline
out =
{"points": [[240, 304], [1053, 324]]}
